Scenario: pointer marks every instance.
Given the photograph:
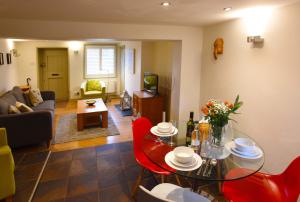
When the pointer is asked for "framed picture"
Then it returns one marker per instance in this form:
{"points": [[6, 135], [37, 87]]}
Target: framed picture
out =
{"points": [[1, 59], [131, 60], [8, 58]]}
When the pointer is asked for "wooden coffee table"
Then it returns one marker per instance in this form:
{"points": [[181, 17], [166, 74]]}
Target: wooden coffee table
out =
{"points": [[91, 115]]}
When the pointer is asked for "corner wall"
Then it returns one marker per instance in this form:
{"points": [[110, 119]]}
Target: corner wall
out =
{"points": [[267, 79]]}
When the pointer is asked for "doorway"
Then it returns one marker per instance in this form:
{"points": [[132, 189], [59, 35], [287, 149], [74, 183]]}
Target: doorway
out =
{"points": [[54, 71]]}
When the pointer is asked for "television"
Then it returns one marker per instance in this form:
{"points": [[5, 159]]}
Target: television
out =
{"points": [[151, 83]]}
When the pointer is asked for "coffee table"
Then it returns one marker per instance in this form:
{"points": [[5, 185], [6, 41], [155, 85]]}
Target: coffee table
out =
{"points": [[91, 115]]}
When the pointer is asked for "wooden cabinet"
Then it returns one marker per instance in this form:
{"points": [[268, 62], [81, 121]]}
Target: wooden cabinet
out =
{"points": [[148, 105]]}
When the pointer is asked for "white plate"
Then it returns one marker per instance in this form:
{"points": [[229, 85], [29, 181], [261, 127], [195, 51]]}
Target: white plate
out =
{"points": [[252, 153], [169, 160], [155, 132], [231, 145]]}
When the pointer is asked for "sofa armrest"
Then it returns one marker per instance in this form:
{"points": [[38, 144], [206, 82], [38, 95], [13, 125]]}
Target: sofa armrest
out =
{"points": [[3, 137], [7, 183], [27, 128], [48, 95], [82, 89], [103, 90]]}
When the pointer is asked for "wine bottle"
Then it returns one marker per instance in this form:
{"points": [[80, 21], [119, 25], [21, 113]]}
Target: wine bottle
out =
{"points": [[189, 129]]}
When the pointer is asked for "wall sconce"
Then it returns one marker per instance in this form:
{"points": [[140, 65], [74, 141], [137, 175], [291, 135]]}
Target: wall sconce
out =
{"points": [[255, 39], [75, 46]]}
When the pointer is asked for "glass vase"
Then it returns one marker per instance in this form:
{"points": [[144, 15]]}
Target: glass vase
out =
{"points": [[219, 136]]}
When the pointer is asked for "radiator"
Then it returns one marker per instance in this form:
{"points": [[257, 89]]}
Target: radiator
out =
{"points": [[111, 86]]}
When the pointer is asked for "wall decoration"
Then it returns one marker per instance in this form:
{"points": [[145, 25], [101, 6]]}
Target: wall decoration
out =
{"points": [[8, 58], [131, 60], [218, 47], [1, 59]]}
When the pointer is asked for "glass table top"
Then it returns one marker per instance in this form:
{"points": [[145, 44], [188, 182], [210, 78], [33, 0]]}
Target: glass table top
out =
{"points": [[231, 167]]}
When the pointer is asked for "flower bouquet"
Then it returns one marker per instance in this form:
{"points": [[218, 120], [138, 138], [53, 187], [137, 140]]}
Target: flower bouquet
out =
{"points": [[218, 114]]}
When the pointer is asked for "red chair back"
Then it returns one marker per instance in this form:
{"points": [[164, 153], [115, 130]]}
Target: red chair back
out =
{"points": [[290, 180], [140, 128]]}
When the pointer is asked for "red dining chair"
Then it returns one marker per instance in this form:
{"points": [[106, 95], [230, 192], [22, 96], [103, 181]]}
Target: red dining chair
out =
{"points": [[284, 187], [141, 127]]}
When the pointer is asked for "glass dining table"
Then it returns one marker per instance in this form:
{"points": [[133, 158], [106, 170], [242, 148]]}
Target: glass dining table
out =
{"points": [[230, 167]]}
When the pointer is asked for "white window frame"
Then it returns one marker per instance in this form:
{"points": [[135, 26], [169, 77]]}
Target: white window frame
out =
{"points": [[95, 76]]}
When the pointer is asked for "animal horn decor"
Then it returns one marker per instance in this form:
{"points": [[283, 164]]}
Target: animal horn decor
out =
{"points": [[218, 47]]}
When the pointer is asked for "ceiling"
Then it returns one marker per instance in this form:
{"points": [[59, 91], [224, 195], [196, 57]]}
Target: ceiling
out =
{"points": [[181, 12]]}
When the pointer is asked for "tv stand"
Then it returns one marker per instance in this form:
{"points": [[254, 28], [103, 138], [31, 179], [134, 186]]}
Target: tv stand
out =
{"points": [[148, 105]]}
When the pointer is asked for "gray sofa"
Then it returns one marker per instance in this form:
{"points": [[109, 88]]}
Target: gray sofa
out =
{"points": [[27, 128]]}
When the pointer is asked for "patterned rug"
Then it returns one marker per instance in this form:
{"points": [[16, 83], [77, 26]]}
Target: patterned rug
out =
{"points": [[66, 130], [127, 112]]}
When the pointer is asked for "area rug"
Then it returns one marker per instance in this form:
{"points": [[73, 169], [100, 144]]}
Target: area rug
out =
{"points": [[66, 130], [127, 112]]}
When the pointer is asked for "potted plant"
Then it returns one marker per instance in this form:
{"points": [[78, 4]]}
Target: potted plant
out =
{"points": [[218, 114]]}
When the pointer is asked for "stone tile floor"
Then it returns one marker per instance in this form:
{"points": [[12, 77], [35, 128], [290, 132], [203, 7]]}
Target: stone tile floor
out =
{"points": [[105, 173]]}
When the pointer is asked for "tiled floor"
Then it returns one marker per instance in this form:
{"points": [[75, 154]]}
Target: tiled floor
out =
{"points": [[103, 173], [28, 168]]}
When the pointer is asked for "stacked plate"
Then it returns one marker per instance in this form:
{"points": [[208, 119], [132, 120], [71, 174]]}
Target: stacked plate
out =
{"points": [[183, 158], [164, 129], [244, 148]]}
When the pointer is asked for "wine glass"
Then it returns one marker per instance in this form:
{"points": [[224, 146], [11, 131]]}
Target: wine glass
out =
{"points": [[174, 124]]}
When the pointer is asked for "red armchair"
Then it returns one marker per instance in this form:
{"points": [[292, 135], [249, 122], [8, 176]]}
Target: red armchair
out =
{"points": [[284, 187]]}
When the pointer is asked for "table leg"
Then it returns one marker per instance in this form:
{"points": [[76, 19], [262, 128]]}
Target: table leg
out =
{"points": [[104, 116], [80, 122]]}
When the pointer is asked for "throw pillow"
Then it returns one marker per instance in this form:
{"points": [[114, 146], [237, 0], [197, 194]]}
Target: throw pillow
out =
{"points": [[23, 107], [13, 110], [93, 85], [27, 99], [35, 97]]}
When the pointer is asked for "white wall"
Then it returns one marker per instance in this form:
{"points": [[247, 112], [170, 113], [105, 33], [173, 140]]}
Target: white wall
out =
{"points": [[191, 38], [132, 80], [267, 79], [28, 67], [7, 71]]}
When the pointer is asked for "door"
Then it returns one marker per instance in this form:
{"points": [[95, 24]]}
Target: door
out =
{"points": [[54, 72]]}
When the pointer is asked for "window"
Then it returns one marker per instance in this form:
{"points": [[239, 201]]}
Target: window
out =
{"points": [[100, 61]]}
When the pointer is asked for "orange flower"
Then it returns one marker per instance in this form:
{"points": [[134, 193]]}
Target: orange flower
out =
{"points": [[226, 103], [209, 104], [204, 110], [230, 106]]}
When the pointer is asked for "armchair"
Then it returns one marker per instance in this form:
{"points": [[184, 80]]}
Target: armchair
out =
{"points": [[7, 166], [94, 92]]}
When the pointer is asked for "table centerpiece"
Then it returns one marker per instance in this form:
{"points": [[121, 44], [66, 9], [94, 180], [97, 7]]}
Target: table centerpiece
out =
{"points": [[217, 113]]}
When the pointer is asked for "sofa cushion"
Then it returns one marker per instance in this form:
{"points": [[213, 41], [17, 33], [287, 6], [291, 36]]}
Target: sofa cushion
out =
{"points": [[18, 93], [13, 110], [46, 105], [93, 85], [93, 92], [23, 107], [5, 101], [35, 97], [4, 106]]}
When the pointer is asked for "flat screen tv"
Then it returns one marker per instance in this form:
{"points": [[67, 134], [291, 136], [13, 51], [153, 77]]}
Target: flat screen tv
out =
{"points": [[151, 83]]}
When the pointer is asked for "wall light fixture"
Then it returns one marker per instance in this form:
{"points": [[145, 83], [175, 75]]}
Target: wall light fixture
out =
{"points": [[255, 39]]}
